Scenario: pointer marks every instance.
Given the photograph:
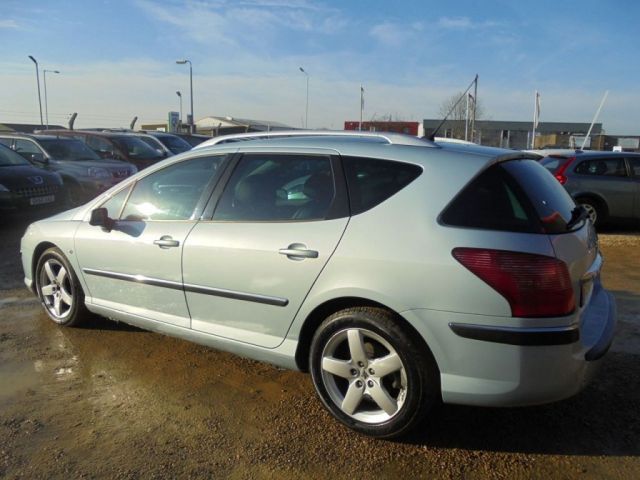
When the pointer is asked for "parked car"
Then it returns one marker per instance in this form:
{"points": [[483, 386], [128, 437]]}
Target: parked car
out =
{"points": [[85, 175], [402, 273], [606, 184], [173, 143], [153, 142], [117, 145], [24, 187], [193, 139]]}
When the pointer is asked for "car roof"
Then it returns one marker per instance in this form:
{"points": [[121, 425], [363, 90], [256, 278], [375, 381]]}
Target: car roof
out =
{"points": [[310, 135], [409, 150], [35, 136]]}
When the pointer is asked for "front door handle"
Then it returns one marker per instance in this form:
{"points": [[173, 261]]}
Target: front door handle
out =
{"points": [[298, 251], [166, 241]]}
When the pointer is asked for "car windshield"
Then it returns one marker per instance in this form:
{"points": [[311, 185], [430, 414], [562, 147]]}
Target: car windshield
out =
{"points": [[68, 149], [9, 158], [136, 148], [175, 144]]}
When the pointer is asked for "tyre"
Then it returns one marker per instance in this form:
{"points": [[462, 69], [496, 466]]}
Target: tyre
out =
{"points": [[595, 209], [371, 374], [59, 289], [75, 195]]}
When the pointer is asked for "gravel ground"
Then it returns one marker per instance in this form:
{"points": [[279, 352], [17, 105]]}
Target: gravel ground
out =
{"points": [[109, 400]]}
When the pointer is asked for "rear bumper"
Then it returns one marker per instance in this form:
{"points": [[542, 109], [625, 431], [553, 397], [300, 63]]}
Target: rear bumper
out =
{"points": [[483, 362]]}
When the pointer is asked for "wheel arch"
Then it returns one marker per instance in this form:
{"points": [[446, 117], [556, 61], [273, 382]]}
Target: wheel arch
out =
{"points": [[329, 307], [593, 196], [37, 253]]}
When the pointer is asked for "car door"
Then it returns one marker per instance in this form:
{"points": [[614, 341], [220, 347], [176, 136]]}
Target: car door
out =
{"points": [[275, 225], [136, 265], [607, 177]]}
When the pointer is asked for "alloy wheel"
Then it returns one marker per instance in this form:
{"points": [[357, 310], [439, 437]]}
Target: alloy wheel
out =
{"points": [[56, 289], [364, 375]]}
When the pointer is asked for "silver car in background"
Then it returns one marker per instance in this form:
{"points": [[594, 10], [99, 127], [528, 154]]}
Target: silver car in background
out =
{"points": [[399, 272], [606, 184]]}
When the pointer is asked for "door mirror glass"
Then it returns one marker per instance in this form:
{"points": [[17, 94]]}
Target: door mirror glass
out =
{"points": [[100, 218]]}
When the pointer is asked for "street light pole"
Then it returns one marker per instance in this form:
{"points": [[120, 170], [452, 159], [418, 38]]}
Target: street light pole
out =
{"points": [[306, 111], [46, 104], [38, 81], [180, 97], [183, 62]]}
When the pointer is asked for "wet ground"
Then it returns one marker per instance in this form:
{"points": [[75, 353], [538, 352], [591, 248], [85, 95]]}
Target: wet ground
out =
{"points": [[108, 400]]}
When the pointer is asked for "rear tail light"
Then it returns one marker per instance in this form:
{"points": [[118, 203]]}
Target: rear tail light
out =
{"points": [[534, 285], [559, 174]]}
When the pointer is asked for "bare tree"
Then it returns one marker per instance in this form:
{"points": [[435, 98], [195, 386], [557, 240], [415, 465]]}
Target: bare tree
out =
{"points": [[457, 118]]}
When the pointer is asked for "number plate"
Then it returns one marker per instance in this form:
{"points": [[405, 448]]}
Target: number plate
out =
{"points": [[42, 200]]}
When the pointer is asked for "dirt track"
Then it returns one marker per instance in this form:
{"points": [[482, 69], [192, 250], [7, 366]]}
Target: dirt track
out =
{"points": [[109, 400]]}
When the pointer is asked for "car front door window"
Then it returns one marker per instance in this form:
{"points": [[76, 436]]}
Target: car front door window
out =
{"points": [[173, 192]]}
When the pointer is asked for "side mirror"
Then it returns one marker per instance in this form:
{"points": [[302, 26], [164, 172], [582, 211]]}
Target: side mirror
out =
{"points": [[100, 218], [38, 157]]}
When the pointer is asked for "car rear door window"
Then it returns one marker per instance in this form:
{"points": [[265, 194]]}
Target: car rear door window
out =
{"points": [[610, 167], [278, 187], [634, 163], [172, 193], [372, 181]]}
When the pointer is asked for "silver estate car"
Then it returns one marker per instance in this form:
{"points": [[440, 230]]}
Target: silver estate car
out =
{"points": [[399, 272]]}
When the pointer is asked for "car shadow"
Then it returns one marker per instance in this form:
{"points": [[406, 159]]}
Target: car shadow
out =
{"points": [[96, 322], [604, 419]]}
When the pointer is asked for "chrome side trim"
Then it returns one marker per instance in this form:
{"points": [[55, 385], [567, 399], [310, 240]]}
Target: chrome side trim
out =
{"points": [[217, 292], [531, 336], [250, 297]]}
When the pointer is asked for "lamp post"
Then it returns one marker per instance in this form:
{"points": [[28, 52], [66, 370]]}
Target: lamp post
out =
{"points": [[46, 104], [306, 110], [38, 81], [183, 62], [180, 97]]}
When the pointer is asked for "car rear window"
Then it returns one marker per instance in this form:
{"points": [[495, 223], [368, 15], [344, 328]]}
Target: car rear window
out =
{"points": [[514, 196], [553, 163], [372, 181]]}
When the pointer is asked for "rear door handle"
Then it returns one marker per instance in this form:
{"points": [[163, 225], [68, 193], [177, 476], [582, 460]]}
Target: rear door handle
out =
{"points": [[298, 251], [166, 241]]}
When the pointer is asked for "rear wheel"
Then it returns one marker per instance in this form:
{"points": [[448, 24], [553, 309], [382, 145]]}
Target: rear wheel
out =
{"points": [[370, 373], [59, 289]]}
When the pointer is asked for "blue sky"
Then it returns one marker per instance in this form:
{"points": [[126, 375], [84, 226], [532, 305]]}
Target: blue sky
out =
{"points": [[117, 59]]}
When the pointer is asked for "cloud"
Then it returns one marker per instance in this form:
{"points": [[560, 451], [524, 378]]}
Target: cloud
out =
{"points": [[464, 23], [10, 24], [244, 23], [395, 34]]}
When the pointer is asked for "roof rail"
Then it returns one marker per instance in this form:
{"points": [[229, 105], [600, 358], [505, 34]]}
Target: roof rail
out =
{"points": [[390, 137]]}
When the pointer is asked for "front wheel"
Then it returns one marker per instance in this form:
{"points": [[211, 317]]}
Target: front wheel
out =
{"points": [[371, 374], [59, 289]]}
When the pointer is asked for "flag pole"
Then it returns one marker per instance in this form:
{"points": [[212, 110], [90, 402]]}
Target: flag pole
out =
{"points": [[594, 119], [535, 120], [361, 106], [475, 102]]}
